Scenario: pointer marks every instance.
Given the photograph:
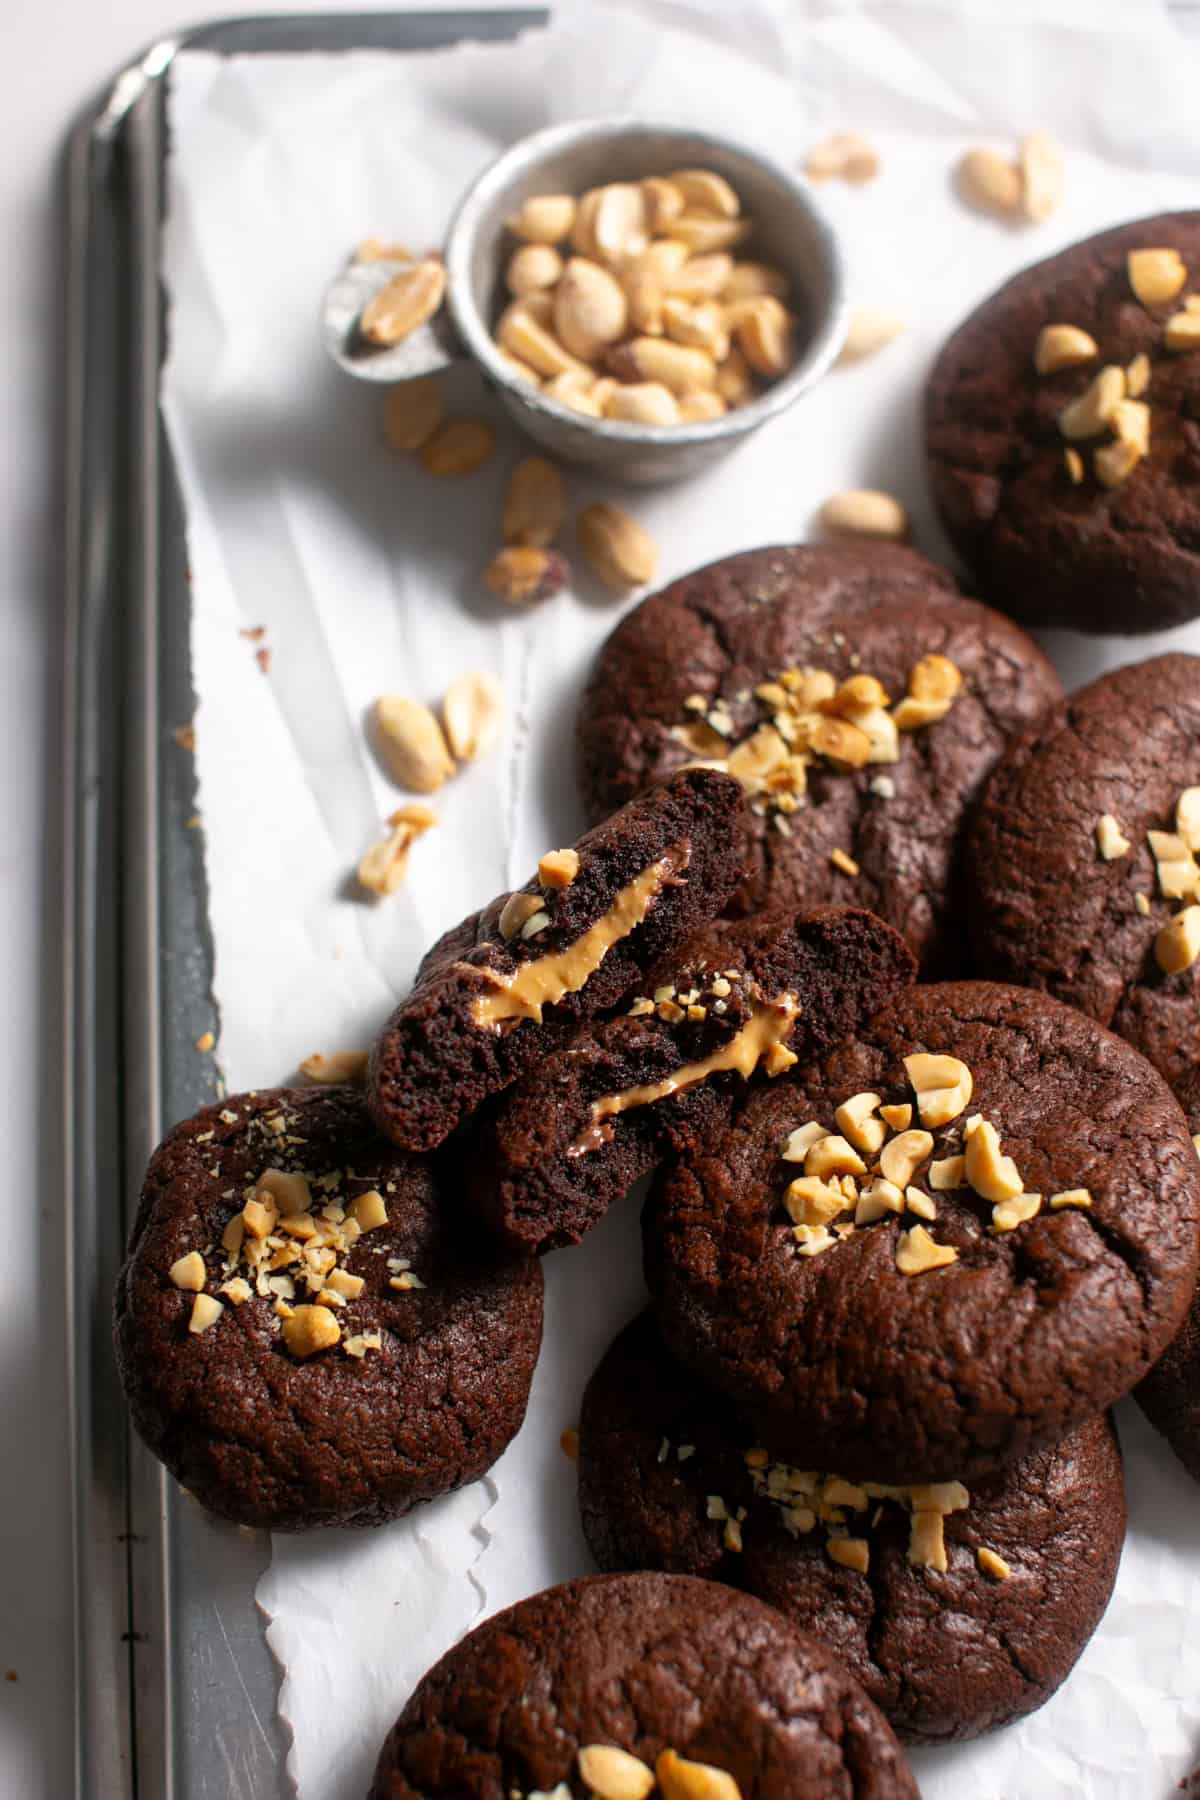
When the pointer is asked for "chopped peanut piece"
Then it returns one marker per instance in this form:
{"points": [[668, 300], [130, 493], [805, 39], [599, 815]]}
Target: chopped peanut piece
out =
{"points": [[189, 1272]]}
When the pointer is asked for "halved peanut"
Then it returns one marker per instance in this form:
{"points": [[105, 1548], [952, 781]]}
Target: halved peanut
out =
{"points": [[764, 335], [679, 1779], [993, 1175], [845, 155], [188, 1272], [663, 202], [675, 366], [947, 1172], [336, 1068], [534, 503], [1156, 276], [516, 912], [700, 324], [525, 335], [942, 1084], [703, 234], [642, 403], [205, 1312], [613, 1774], [525, 573], [747, 280], [707, 191], [799, 1142], [543, 219], [288, 1189], [734, 382], [309, 1329], [575, 388], [472, 711], [1131, 423], [1182, 332], [1187, 817], [934, 677], [1043, 176], [412, 412], [458, 447], [1008, 1214], [1092, 412], [811, 1200], [832, 1155], [617, 224], [590, 308], [619, 551], [412, 744], [865, 512], [408, 300], [558, 868], [903, 1155], [665, 257], [916, 1253], [1063, 347], [699, 277], [860, 1123], [1177, 944], [644, 298], [841, 741], [700, 405], [878, 1198], [989, 180], [532, 267], [911, 714], [871, 327]]}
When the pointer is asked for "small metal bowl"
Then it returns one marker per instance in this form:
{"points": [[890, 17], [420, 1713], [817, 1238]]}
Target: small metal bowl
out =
{"points": [[790, 232]]}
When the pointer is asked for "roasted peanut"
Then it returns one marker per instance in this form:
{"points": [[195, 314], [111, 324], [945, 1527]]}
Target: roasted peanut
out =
{"points": [[526, 573], [458, 447], [533, 505], [408, 300], [619, 551], [590, 309], [412, 744], [544, 219], [412, 412]]}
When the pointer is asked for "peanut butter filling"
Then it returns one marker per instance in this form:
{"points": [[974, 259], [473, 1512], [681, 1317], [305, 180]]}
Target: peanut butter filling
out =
{"points": [[546, 979], [770, 1022]]}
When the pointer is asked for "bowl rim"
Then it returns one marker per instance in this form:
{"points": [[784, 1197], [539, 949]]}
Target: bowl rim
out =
{"points": [[820, 352]]}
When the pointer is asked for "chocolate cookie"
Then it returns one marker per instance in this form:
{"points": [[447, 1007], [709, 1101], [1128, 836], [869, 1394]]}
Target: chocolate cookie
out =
{"points": [[736, 1004], [305, 1330], [858, 697], [558, 1696], [1081, 870], [1170, 1394], [1072, 503], [993, 1238], [499, 991], [958, 1610]]}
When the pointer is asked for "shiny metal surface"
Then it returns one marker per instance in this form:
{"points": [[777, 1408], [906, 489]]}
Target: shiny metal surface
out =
{"points": [[791, 231], [175, 1689]]}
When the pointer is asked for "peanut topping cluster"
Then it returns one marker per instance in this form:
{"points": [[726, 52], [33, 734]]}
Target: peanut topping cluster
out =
{"points": [[1177, 943], [810, 714], [709, 992], [289, 1245], [610, 1773], [1112, 402], [869, 1168]]}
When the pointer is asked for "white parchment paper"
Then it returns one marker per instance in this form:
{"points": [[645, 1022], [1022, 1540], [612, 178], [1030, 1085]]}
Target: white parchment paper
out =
{"points": [[364, 573]]}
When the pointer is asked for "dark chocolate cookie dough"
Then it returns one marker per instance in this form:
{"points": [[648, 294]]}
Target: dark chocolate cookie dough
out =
{"points": [[738, 1003], [1069, 890], [958, 1610], [1170, 1394], [499, 991], [659, 1667], [1028, 506], [728, 662], [319, 1351], [898, 1314]]}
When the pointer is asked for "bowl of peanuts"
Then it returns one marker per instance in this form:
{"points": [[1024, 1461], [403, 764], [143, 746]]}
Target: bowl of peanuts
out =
{"points": [[643, 296]]}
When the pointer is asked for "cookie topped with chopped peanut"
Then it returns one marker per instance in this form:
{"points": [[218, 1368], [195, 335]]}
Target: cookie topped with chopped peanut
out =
{"points": [[856, 697], [305, 1333], [969, 1227]]}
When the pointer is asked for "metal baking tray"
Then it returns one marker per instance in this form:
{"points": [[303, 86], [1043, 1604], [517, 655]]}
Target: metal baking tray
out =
{"points": [[175, 1689]]}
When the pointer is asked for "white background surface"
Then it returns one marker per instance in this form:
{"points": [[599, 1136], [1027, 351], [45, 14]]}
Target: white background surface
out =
{"points": [[56, 55]]}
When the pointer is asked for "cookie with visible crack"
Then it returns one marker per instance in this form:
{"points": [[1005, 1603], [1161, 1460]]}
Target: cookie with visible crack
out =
{"points": [[514, 981], [307, 1331], [1064, 519], [1081, 862], [1170, 1394], [958, 1610], [859, 698], [638, 1676], [737, 1004], [966, 1230]]}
